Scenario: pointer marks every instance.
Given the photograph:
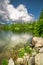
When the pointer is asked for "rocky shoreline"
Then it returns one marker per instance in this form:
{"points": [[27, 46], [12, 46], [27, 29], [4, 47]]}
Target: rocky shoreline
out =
{"points": [[35, 59], [37, 55], [37, 43]]}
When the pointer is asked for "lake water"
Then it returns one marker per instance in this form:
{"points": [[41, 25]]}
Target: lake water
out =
{"points": [[9, 39]]}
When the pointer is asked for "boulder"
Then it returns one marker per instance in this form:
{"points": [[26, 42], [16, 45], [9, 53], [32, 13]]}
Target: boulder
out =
{"points": [[41, 50], [37, 41], [31, 61], [11, 62], [39, 59], [21, 61]]}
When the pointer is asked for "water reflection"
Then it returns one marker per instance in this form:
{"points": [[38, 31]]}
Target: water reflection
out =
{"points": [[11, 39]]}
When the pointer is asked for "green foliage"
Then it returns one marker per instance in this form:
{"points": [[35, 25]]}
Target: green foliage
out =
{"points": [[21, 52], [28, 50], [40, 28], [41, 15], [4, 62]]}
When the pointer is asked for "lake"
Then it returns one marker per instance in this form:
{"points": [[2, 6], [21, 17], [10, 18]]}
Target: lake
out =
{"points": [[9, 39]]}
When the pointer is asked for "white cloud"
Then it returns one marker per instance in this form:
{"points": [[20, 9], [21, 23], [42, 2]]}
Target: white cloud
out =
{"points": [[8, 11], [3, 11]]}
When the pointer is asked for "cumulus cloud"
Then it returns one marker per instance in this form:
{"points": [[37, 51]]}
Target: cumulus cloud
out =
{"points": [[3, 10], [9, 12]]}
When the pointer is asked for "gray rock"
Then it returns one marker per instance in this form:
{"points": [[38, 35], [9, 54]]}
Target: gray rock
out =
{"points": [[37, 42], [11, 62], [32, 61], [41, 50], [39, 59]]}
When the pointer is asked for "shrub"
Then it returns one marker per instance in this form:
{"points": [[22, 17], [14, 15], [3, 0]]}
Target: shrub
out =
{"points": [[4, 62]]}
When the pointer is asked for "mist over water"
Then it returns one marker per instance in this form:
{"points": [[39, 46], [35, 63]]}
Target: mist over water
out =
{"points": [[9, 39]]}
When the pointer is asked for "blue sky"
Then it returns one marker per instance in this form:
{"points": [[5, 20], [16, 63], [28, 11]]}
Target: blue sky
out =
{"points": [[20, 10], [33, 6]]}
